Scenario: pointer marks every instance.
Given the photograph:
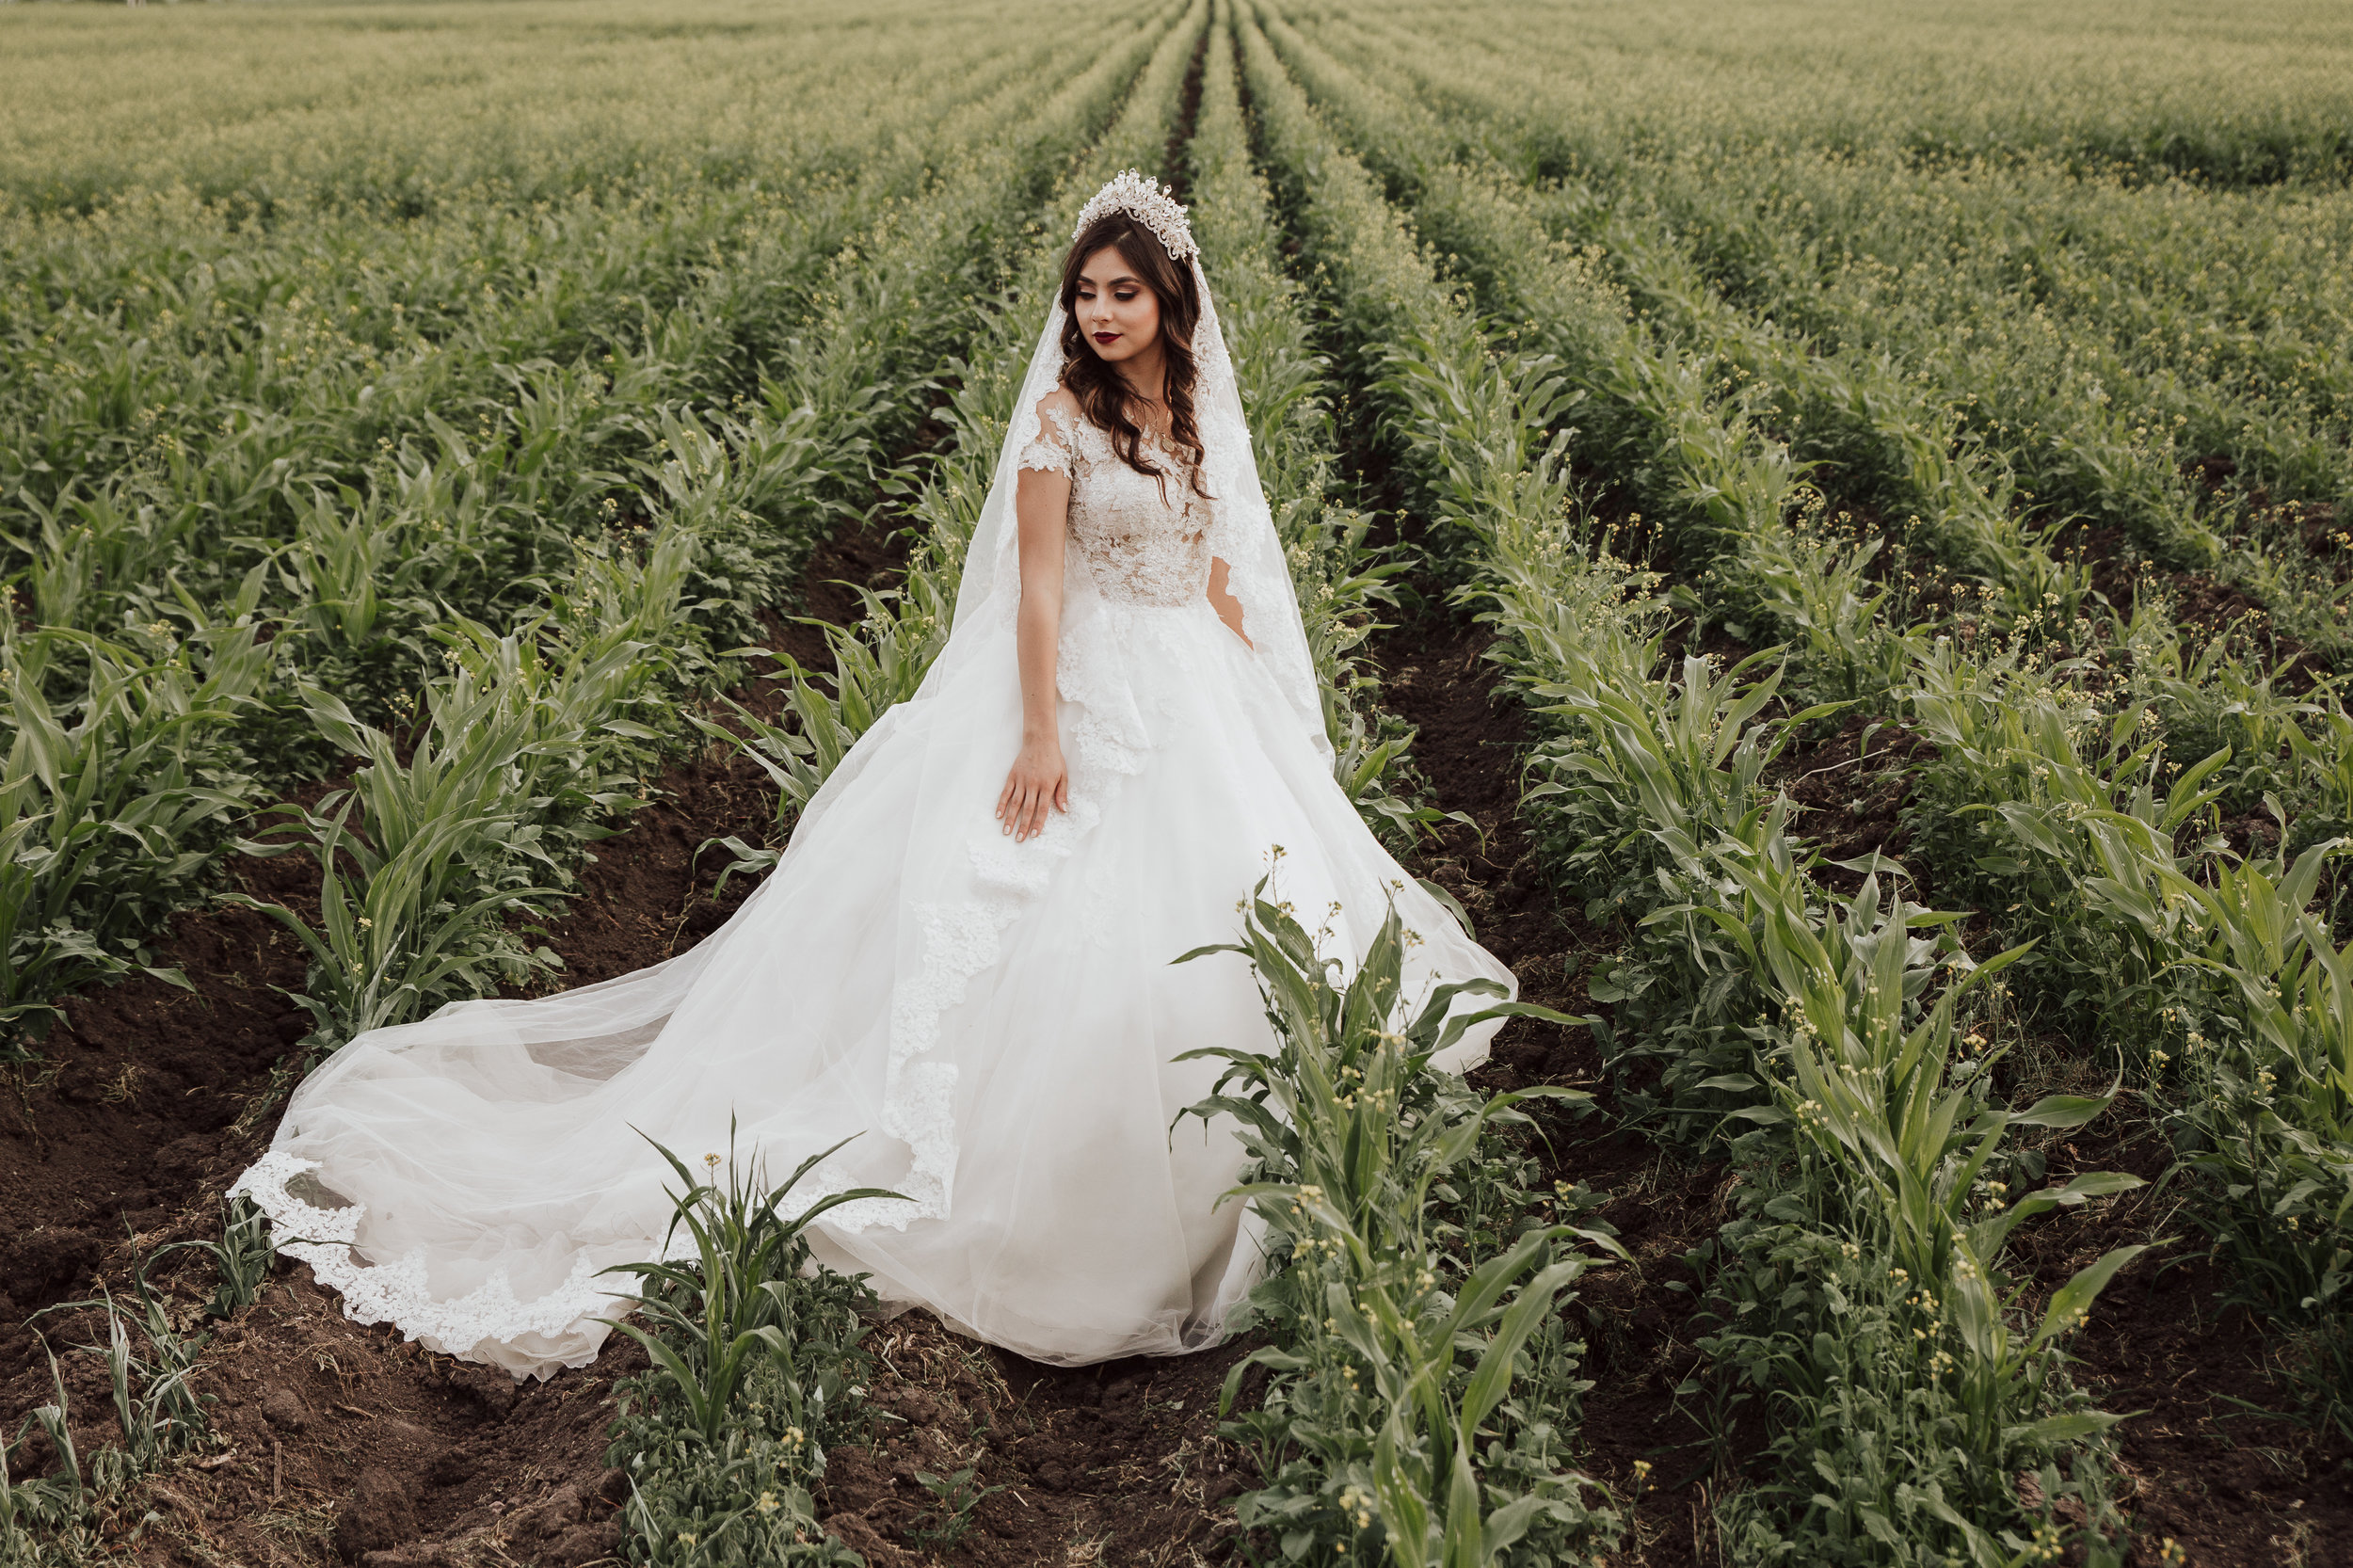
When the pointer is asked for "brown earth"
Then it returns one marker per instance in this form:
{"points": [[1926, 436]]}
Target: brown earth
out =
{"points": [[1469, 735], [152, 1100], [1116, 1463], [2215, 1454]]}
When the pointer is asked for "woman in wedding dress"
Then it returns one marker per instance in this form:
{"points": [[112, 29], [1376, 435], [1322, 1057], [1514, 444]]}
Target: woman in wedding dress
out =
{"points": [[965, 953]]}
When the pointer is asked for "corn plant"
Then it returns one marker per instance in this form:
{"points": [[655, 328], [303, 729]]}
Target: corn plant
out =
{"points": [[1397, 1347], [56, 1518], [1906, 1123], [511, 768], [955, 1498], [2324, 755], [54, 1504], [241, 1258], [877, 663], [710, 1319], [1894, 1157], [88, 555], [109, 810], [2033, 792], [1650, 800], [1693, 405], [2265, 1119], [757, 1358], [2221, 696]]}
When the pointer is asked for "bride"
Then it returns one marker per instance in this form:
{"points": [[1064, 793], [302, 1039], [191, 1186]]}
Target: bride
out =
{"points": [[964, 954]]}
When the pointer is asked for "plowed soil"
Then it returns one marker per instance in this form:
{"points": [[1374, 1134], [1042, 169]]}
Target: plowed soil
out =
{"points": [[339, 1442]]}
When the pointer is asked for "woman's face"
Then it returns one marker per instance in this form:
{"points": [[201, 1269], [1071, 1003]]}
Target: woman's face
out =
{"points": [[1120, 316]]}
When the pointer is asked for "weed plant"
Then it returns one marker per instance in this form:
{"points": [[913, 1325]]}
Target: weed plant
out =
{"points": [[71, 1515]]}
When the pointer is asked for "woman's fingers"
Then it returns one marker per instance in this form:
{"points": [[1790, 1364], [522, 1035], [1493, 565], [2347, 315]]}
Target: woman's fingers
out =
{"points": [[1023, 805]]}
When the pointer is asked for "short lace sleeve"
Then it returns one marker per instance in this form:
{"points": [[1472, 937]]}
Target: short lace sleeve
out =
{"points": [[1050, 452]]}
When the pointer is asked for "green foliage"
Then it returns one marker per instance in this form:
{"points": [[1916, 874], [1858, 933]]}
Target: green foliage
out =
{"points": [[955, 1500], [241, 1258], [457, 440], [287, 432], [111, 801], [1424, 1394], [2268, 1120], [2257, 1003], [1649, 792], [517, 758], [757, 1362], [1957, 300]]}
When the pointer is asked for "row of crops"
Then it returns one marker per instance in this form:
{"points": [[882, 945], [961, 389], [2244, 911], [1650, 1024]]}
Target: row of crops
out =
{"points": [[406, 510], [1619, 305]]}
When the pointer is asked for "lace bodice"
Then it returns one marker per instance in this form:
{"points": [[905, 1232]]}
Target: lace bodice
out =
{"points": [[1144, 540]]}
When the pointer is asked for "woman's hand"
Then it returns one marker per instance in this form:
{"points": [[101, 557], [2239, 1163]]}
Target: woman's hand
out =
{"points": [[1038, 780]]}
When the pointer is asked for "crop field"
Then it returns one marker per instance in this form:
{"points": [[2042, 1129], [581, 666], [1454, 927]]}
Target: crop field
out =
{"points": [[1827, 526]]}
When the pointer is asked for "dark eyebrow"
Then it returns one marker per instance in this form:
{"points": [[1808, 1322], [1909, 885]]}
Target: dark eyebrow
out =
{"points": [[1123, 278]]}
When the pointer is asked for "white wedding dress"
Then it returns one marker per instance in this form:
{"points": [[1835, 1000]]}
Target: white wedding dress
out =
{"points": [[997, 1019]]}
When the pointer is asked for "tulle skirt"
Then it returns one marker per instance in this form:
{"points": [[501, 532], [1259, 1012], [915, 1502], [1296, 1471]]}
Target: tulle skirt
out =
{"points": [[994, 1023]]}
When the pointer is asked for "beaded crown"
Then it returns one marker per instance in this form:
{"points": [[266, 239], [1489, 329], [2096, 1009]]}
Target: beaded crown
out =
{"points": [[1152, 205]]}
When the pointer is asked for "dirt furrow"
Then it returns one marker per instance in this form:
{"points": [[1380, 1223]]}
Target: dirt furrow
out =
{"points": [[2215, 1456], [1470, 734]]}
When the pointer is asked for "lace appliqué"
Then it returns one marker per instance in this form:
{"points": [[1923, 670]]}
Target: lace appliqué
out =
{"points": [[1046, 454], [1107, 742], [397, 1292]]}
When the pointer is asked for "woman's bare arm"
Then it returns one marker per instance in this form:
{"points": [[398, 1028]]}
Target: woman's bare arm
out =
{"points": [[1038, 778]]}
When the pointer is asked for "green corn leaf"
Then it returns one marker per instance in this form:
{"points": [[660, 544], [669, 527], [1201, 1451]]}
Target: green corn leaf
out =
{"points": [[2074, 1299]]}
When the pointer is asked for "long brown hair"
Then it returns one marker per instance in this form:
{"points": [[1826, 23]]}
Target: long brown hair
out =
{"points": [[1101, 391]]}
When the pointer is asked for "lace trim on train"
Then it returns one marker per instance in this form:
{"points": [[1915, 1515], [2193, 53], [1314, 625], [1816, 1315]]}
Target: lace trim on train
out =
{"points": [[397, 1292]]}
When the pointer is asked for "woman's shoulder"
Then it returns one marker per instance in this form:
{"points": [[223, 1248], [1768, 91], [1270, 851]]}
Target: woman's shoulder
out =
{"points": [[1060, 410], [1061, 437]]}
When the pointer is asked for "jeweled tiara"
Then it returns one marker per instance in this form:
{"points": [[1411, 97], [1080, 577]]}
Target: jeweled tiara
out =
{"points": [[1152, 205]]}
